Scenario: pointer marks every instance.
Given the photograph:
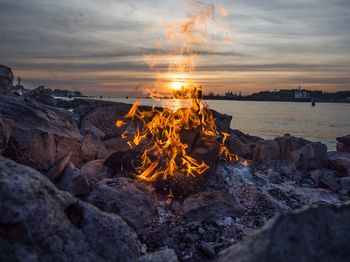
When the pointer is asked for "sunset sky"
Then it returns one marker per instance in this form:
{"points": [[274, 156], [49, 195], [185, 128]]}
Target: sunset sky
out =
{"points": [[98, 46]]}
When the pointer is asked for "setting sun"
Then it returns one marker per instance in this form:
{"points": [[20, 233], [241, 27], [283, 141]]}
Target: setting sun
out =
{"points": [[176, 85]]}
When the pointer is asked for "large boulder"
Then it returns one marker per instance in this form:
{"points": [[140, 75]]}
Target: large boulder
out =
{"points": [[6, 80], [40, 223], [311, 234], [304, 154], [40, 134], [42, 95], [133, 200]]}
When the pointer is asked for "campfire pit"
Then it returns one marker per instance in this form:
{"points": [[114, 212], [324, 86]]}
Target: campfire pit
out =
{"points": [[176, 150]]}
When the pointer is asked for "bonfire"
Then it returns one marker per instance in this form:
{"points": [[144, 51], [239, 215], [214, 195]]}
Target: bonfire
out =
{"points": [[177, 145]]}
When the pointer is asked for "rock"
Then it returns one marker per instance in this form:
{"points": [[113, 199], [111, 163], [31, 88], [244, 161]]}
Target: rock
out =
{"points": [[6, 80], [304, 154], [211, 205], [58, 167], [291, 172], [325, 179], [5, 132], [40, 134], [222, 121], [207, 249], [42, 95], [116, 144], [289, 144], [266, 150], [40, 223], [167, 255], [100, 122], [328, 179], [310, 234], [73, 181], [96, 170], [311, 156], [343, 144], [120, 160], [344, 184], [241, 144], [133, 200], [340, 163]]}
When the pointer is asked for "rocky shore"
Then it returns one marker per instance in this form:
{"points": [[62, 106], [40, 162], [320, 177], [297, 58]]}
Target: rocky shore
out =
{"points": [[66, 197]]}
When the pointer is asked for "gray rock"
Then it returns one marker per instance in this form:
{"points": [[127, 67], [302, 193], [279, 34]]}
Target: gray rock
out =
{"points": [[40, 223], [58, 167], [310, 156], [340, 163], [166, 255], [40, 134], [211, 205], [311, 234], [266, 150], [207, 249], [304, 154], [73, 181], [6, 80], [42, 95], [344, 184], [133, 200], [5, 132], [343, 144], [95, 170], [328, 179]]}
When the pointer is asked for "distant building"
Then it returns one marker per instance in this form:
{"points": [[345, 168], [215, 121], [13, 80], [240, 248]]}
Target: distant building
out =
{"points": [[18, 89], [301, 94]]}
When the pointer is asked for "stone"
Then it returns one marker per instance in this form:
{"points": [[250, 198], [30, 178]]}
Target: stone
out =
{"points": [[42, 95], [73, 181], [318, 233], [165, 255], [344, 184], [96, 170], [241, 144], [41, 223], [340, 163], [266, 150], [100, 122], [40, 134], [5, 132], [222, 121], [306, 155], [207, 249], [211, 205], [58, 167], [343, 144], [6, 80], [291, 172], [289, 144], [309, 157], [135, 201], [328, 180]]}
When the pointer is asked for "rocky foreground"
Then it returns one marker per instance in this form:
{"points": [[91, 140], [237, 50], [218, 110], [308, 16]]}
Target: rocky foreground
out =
{"points": [[65, 197]]}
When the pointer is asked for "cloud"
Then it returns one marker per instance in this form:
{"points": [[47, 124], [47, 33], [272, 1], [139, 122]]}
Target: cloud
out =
{"points": [[56, 42]]}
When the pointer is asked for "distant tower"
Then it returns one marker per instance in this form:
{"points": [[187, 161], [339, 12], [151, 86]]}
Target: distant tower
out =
{"points": [[19, 80]]}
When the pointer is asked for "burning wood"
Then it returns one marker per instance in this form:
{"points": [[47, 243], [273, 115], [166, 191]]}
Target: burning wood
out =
{"points": [[175, 145]]}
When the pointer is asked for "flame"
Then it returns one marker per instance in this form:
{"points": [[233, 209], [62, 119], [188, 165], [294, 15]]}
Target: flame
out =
{"points": [[161, 134], [167, 140]]}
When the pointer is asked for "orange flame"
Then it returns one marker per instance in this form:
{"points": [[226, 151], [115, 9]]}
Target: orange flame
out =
{"points": [[161, 133]]}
